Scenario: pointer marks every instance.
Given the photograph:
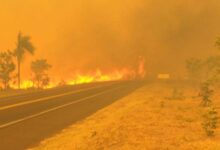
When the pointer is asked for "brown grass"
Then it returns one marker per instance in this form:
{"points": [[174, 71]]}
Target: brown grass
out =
{"points": [[144, 120]]}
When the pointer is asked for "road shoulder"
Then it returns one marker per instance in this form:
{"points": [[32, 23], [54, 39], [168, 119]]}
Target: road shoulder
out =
{"points": [[141, 120]]}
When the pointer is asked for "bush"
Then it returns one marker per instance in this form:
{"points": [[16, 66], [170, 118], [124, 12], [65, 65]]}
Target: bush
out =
{"points": [[210, 121], [206, 92]]}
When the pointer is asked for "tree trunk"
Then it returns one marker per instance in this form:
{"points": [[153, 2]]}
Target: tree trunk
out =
{"points": [[19, 75], [5, 84], [38, 84]]}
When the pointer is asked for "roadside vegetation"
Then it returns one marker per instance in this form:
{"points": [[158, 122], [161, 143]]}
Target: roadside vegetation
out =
{"points": [[11, 60], [7, 68], [202, 70], [39, 68], [206, 73]]}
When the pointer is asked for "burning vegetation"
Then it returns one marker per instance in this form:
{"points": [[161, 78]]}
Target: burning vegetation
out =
{"points": [[40, 68]]}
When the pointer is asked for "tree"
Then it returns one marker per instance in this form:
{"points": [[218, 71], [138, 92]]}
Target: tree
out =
{"points": [[215, 63], [23, 45], [212, 65], [39, 67], [194, 67], [205, 93], [7, 66], [210, 121], [217, 43]]}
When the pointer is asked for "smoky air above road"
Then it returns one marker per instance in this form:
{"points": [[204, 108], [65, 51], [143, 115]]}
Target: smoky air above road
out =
{"points": [[86, 35]]}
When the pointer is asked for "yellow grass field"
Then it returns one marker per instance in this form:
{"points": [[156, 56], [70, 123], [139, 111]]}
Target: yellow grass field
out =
{"points": [[144, 120]]}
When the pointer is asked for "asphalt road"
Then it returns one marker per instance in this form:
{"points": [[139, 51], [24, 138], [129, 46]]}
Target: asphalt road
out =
{"points": [[27, 119]]}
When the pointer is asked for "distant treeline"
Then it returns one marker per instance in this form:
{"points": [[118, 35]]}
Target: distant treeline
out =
{"points": [[208, 69]]}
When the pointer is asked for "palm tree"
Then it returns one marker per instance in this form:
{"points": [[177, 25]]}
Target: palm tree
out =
{"points": [[23, 45]]}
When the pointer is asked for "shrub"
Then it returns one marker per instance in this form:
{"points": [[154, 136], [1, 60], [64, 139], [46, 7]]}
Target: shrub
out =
{"points": [[206, 92], [210, 121]]}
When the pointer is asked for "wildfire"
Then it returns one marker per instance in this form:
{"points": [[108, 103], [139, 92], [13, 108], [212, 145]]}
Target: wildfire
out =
{"points": [[99, 76], [26, 84], [94, 76], [141, 68]]}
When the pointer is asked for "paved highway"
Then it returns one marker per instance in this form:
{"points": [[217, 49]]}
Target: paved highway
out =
{"points": [[27, 119]]}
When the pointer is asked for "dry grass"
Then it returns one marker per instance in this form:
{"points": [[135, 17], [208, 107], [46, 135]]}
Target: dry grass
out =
{"points": [[6, 93], [144, 120]]}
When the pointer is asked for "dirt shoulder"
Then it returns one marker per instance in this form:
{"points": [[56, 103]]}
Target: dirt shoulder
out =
{"points": [[144, 120], [8, 93]]}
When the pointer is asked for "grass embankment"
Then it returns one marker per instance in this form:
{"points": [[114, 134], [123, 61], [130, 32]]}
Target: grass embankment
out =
{"points": [[147, 119], [11, 92]]}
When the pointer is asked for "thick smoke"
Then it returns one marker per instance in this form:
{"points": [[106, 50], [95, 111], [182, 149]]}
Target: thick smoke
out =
{"points": [[85, 34]]}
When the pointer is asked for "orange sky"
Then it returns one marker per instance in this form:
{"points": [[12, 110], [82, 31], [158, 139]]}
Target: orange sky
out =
{"points": [[85, 34]]}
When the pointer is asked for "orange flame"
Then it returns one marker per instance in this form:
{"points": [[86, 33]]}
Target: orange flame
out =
{"points": [[95, 76], [141, 67], [99, 76]]}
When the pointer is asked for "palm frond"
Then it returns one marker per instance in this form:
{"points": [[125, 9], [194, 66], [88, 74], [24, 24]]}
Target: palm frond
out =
{"points": [[27, 45]]}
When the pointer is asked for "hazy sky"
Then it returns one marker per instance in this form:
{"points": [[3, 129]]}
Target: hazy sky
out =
{"points": [[87, 34]]}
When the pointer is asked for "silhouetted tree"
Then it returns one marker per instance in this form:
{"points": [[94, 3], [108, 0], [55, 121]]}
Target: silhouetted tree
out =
{"points": [[212, 65], [217, 43], [23, 45], [194, 67], [7, 66], [39, 67], [210, 121], [205, 93]]}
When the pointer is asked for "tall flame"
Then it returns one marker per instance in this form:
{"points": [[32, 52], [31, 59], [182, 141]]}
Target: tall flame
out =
{"points": [[141, 67]]}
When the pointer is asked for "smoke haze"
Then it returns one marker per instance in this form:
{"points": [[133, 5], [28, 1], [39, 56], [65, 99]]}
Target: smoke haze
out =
{"points": [[106, 34]]}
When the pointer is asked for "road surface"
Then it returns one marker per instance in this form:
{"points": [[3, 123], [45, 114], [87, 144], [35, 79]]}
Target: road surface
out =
{"points": [[27, 119]]}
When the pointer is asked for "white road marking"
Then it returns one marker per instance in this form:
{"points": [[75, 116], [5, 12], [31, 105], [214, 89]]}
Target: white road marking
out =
{"points": [[46, 98], [53, 109]]}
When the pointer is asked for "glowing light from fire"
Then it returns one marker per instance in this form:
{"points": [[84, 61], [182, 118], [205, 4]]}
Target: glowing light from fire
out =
{"points": [[141, 67], [95, 76], [98, 76], [26, 84]]}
